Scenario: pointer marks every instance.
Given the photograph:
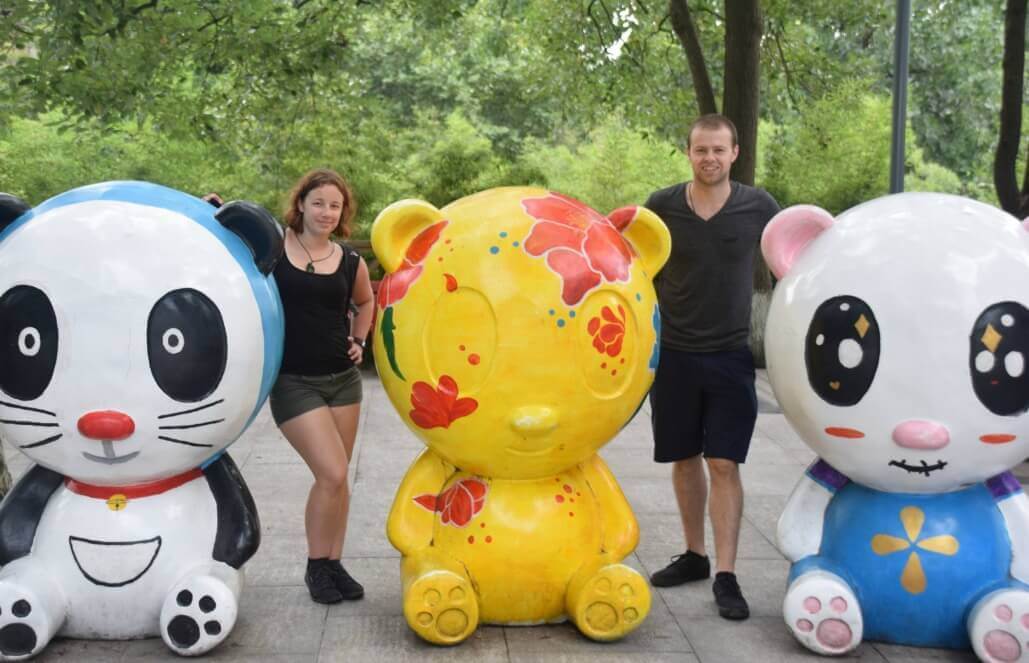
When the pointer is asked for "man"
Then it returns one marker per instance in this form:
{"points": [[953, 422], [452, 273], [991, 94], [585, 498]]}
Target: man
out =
{"points": [[703, 399]]}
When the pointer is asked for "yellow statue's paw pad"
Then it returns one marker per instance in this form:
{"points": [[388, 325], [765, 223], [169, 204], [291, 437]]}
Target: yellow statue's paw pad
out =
{"points": [[441, 607], [612, 603]]}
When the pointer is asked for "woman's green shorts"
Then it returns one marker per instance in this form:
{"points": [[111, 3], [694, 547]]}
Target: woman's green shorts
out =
{"points": [[293, 395]]}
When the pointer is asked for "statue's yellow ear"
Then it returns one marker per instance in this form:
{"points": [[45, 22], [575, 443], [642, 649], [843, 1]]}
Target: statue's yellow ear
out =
{"points": [[396, 227], [647, 234]]}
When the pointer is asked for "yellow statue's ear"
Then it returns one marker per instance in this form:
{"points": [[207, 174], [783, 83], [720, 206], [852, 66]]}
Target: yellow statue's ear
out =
{"points": [[647, 234], [397, 226]]}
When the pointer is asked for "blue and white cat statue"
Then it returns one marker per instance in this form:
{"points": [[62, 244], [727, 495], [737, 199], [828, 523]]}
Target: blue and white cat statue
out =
{"points": [[897, 344], [140, 332]]}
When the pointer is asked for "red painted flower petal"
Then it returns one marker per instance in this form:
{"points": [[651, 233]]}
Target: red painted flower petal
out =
{"points": [[576, 273], [423, 395], [460, 510], [395, 285], [426, 501], [428, 411], [451, 282], [593, 326], [382, 296], [598, 344], [422, 244], [423, 419], [622, 217], [462, 501], [608, 253], [615, 348], [476, 488], [608, 333], [560, 208], [447, 390], [547, 235], [439, 406], [463, 407]]}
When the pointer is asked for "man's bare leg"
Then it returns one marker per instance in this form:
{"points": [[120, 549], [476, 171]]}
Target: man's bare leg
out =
{"points": [[690, 485], [726, 515], [726, 510]]}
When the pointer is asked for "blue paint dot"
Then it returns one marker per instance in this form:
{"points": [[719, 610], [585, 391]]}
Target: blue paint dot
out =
{"points": [[571, 314], [503, 234], [515, 243], [551, 311], [560, 323], [494, 250], [639, 298]]}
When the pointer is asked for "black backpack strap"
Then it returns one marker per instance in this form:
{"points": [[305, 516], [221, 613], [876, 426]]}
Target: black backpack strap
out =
{"points": [[352, 259]]}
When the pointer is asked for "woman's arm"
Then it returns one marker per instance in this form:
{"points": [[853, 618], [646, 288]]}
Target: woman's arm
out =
{"points": [[365, 303]]}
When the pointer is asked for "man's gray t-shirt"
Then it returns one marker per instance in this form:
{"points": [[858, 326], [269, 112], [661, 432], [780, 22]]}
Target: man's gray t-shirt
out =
{"points": [[705, 288]]}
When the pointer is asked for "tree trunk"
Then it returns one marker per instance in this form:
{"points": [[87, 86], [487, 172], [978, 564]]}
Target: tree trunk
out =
{"points": [[686, 31], [740, 103], [1005, 179], [743, 28]]}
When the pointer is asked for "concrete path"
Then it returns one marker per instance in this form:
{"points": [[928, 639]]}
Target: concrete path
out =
{"points": [[278, 622]]}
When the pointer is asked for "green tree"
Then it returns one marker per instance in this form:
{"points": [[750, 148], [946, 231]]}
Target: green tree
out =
{"points": [[616, 165], [836, 155]]}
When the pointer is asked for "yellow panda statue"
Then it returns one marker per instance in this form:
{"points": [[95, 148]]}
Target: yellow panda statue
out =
{"points": [[516, 333]]}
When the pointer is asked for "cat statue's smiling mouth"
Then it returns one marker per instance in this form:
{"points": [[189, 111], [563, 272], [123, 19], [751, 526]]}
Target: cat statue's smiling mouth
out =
{"points": [[109, 457], [923, 468]]}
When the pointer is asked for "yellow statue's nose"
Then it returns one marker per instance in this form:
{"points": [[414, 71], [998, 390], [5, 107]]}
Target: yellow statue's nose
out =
{"points": [[533, 420]]}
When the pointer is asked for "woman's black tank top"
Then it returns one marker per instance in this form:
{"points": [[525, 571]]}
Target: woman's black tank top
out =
{"points": [[317, 324]]}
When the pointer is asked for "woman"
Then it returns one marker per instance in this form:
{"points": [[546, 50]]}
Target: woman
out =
{"points": [[317, 397]]}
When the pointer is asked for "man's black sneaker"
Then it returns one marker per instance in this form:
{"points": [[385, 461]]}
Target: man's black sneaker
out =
{"points": [[321, 583], [684, 568], [728, 596], [350, 589]]}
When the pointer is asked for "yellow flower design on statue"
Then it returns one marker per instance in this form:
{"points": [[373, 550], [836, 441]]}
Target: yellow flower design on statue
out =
{"points": [[913, 578]]}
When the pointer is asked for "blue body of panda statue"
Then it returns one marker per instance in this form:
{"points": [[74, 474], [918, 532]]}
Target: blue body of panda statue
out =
{"points": [[140, 332]]}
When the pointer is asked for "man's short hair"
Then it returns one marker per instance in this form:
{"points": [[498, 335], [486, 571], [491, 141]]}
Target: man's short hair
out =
{"points": [[712, 122]]}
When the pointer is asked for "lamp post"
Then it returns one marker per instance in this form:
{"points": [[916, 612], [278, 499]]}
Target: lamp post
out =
{"points": [[901, 45]]}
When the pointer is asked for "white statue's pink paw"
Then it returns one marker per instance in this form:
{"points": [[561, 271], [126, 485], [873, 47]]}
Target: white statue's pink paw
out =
{"points": [[999, 626], [823, 613]]}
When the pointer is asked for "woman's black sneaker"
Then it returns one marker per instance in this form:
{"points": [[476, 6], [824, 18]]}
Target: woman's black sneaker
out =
{"points": [[350, 589], [684, 568], [321, 582], [728, 596]]}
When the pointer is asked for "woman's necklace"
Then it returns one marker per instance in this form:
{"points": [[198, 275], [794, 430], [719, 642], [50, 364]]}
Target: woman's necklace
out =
{"points": [[310, 261]]}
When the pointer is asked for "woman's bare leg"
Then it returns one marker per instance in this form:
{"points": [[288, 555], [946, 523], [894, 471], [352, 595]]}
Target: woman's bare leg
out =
{"points": [[316, 438]]}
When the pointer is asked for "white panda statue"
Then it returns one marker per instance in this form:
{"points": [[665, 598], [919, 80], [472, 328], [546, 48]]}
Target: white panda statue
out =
{"points": [[897, 344], [140, 332]]}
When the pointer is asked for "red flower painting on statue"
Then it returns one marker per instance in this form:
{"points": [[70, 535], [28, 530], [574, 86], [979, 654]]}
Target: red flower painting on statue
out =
{"points": [[440, 406], [581, 246], [458, 504], [395, 285], [608, 331]]}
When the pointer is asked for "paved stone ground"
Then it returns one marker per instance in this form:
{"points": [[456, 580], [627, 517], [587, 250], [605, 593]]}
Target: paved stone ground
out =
{"points": [[278, 622]]}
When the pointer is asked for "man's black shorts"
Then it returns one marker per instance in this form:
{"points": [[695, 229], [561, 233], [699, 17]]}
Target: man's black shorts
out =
{"points": [[703, 402]]}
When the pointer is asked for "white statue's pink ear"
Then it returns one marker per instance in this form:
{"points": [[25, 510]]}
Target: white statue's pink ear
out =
{"points": [[1025, 224], [789, 232]]}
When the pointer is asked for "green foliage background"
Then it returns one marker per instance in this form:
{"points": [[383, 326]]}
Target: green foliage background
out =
{"points": [[440, 99]]}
